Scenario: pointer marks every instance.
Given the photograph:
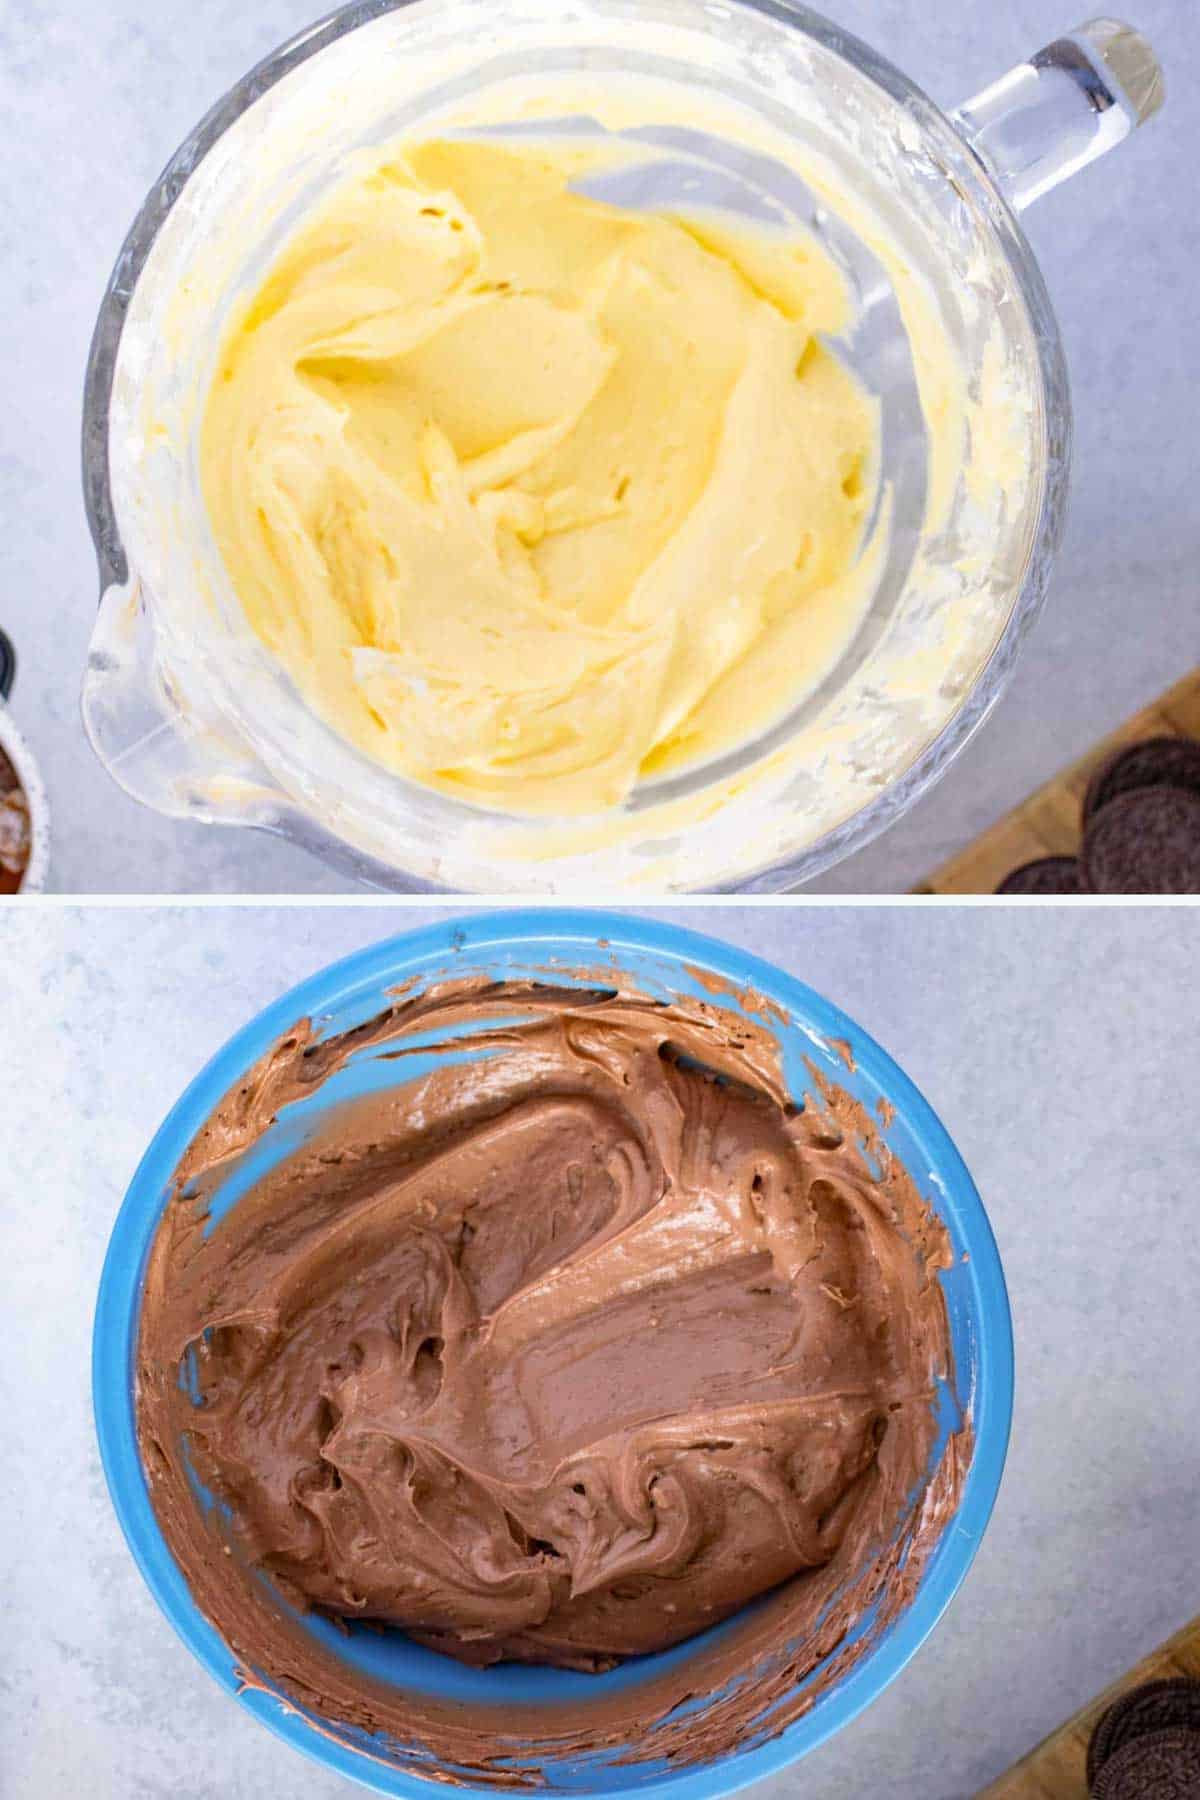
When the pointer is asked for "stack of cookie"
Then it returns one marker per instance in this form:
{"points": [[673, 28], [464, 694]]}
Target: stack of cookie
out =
{"points": [[1141, 828], [1147, 1745]]}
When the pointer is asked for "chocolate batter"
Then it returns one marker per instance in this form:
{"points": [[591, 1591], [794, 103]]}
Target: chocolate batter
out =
{"points": [[562, 1353]]}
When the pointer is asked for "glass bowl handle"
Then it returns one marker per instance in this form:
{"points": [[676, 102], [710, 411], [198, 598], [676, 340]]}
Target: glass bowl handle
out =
{"points": [[1051, 116]]}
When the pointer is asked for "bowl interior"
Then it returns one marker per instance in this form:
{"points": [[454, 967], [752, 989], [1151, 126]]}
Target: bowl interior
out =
{"points": [[657, 959], [778, 113]]}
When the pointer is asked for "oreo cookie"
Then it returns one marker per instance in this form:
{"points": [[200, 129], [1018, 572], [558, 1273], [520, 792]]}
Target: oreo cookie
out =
{"points": [[1157, 1706], [1156, 762], [1046, 875], [1144, 842], [1165, 1765]]}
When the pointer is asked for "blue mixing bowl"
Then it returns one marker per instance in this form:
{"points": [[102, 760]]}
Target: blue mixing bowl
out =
{"points": [[660, 958]]}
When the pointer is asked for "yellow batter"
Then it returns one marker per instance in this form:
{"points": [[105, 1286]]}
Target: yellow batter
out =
{"points": [[535, 496]]}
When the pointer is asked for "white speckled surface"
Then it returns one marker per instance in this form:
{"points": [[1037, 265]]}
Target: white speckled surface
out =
{"points": [[93, 100], [1060, 1049]]}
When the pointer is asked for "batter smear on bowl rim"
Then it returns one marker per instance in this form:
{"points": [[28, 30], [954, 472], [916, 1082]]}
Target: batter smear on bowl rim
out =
{"points": [[562, 1353], [536, 496]]}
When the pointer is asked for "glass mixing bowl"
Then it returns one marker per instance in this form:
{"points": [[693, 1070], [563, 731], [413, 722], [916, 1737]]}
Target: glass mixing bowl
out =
{"points": [[758, 106]]}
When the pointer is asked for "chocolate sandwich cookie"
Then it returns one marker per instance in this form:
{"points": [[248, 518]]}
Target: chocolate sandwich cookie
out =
{"points": [[1156, 762], [1156, 1706], [1045, 875], [1145, 842], [1165, 1765]]}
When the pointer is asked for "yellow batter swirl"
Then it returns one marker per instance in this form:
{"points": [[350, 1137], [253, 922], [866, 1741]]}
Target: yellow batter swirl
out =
{"points": [[536, 496]]}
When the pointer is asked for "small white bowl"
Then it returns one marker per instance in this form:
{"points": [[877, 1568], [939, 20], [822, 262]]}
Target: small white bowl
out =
{"points": [[21, 757]]}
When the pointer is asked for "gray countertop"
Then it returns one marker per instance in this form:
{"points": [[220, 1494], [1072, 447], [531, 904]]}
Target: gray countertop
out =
{"points": [[1060, 1049], [94, 100]]}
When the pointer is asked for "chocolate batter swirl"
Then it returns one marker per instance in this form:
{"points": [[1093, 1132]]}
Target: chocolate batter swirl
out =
{"points": [[562, 1352]]}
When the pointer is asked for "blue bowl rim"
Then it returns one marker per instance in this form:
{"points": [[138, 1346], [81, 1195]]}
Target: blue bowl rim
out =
{"points": [[568, 930]]}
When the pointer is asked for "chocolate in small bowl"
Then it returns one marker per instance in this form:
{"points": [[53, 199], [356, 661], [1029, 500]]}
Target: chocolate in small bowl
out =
{"points": [[16, 834]]}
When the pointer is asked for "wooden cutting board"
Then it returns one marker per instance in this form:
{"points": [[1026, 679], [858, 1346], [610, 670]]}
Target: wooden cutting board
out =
{"points": [[1056, 1770], [1047, 824]]}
